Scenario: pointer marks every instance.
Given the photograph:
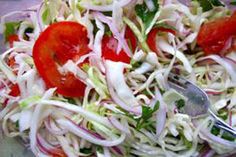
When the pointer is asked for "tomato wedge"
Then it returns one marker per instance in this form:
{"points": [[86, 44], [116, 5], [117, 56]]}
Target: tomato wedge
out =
{"points": [[15, 90], [151, 38], [110, 44], [59, 43], [214, 36]]}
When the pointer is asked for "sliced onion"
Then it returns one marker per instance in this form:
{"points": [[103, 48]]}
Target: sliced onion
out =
{"points": [[52, 128], [47, 148], [161, 114], [213, 92], [118, 125], [39, 19], [229, 67], [166, 47], [115, 81], [117, 150], [115, 32], [87, 135], [106, 152]]}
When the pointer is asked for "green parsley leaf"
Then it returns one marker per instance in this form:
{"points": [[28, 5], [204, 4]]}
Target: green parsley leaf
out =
{"points": [[147, 113], [145, 14], [135, 64], [187, 143], [86, 150], [209, 4], [215, 131], [180, 104], [233, 2], [17, 124], [228, 136], [71, 101], [223, 113], [10, 29]]}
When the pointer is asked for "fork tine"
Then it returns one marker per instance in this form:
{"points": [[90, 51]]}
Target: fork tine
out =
{"points": [[175, 83]]}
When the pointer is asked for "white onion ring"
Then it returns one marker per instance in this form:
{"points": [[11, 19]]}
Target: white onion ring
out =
{"points": [[118, 125]]}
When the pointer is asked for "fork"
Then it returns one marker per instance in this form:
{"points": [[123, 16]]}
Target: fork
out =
{"points": [[198, 103]]}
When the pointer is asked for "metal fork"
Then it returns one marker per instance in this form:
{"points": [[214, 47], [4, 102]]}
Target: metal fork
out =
{"points": [[198, 103]]}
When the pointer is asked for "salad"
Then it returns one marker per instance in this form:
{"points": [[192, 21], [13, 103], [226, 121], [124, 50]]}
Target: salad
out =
{"points": [[89, 78]]}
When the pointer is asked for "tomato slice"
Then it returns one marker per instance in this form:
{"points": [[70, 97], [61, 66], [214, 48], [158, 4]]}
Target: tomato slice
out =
{"points": [[59, 43], [109, 47], [12, 38], [151, 38], [213, 36], [15, 91]]}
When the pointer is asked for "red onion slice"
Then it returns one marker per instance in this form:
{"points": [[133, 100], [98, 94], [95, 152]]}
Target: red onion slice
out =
{"points": [[88, 135], [46, 148], [118, 125], [51, 126]]}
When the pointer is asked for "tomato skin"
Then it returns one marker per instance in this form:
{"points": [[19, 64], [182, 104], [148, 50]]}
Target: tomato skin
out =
{"points": [[109, 47], [57, 153], [151, 38], [15, 90], [12, 38], [213, 36], [59, 43]]}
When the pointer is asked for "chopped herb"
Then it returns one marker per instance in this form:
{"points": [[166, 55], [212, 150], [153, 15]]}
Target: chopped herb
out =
{"points": [[86, 150], [187, 143], [71, 101], [17, 124], [147, 113], [107, 13], [145, 14], [228, 136], [180, 104], [216, 3], [108, 31], [135, 64], [100, 149], [209, 4], [10, 29], [215, 131], [233, 2], [223, 113]]}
